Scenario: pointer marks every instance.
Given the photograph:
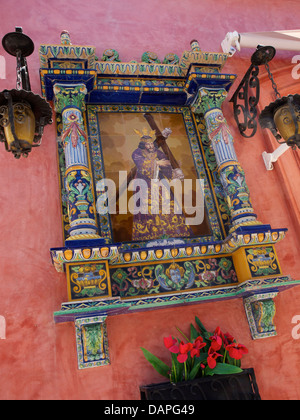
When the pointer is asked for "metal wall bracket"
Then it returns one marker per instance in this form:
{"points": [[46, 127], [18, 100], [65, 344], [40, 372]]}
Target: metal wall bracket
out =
{"points": [[246, 97], [270, 158]]}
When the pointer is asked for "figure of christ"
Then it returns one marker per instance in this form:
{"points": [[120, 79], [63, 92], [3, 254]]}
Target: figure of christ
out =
{"points": [[150, 222]]}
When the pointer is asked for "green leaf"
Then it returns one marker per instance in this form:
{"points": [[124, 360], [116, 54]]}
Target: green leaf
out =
{"points": [[222, 369], [208, 371], [206, 336], [232, 361], [200, 325], [182, 334], [177, 370], [158, 364], [204, 333], [194, 333], [194, 370], [202, 357]]}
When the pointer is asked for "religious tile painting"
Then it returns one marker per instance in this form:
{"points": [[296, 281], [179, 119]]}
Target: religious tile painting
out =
{"points": [[150, 178]]}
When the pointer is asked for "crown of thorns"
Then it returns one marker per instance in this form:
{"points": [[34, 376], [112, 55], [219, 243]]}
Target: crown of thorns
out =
{"points": [[148, 136]]}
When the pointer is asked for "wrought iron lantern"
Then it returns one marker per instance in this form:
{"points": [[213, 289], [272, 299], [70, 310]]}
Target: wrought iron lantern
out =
{"points": [[282, 118], [23, 114]]}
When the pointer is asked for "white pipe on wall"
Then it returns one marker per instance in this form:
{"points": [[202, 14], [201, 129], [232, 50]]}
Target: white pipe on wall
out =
{"points": [[280, 40]]}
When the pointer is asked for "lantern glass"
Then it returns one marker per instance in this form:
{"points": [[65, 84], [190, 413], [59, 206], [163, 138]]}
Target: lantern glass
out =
{"points": [[282, 118], [23, 125], [285, 123], [23, 116]]}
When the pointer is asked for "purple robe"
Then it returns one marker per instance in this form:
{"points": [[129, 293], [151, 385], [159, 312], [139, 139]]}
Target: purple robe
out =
{"points": [[155, 225]]}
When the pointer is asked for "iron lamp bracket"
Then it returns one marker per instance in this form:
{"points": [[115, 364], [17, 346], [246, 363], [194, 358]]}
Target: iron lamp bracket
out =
{"points": [[246, 96]]}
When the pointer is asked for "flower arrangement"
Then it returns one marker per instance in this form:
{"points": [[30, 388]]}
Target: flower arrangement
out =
{"points": [[204, 354]]}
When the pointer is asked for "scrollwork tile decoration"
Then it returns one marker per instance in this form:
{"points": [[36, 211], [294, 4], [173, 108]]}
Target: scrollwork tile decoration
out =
{"points": [[262, 261], [91, 341], [88, 280], [260, 310], [171, 276]]}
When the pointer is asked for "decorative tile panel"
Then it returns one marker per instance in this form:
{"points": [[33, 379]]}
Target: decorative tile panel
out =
{"points": [[170, 276], [262, 261], [92, 343], [260, 310], [88, 280]]}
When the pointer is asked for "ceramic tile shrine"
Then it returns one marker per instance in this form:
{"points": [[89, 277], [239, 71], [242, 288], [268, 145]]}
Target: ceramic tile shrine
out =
{"points": [[146, 207], [118, 263]]}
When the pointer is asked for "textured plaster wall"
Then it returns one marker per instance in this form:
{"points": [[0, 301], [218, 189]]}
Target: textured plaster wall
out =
{"points": [[38, 358]]}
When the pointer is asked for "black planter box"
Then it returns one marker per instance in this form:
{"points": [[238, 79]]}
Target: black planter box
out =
{"points": [[238, 386]]}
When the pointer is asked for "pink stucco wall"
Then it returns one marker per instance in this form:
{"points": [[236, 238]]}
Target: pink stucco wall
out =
{"points": [[38, 358]]}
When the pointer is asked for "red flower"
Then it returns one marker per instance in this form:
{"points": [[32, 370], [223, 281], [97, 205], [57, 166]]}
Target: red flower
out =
{"points": [[182, 358], [197, 346], [236, 350], [218, 331], [216, 340], [228, 339], [183, 350], [170, 343], [212, 356]]}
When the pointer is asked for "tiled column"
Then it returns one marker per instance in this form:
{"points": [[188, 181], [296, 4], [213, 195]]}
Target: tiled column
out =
{"points": [[208, 102], [70, 102]]}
